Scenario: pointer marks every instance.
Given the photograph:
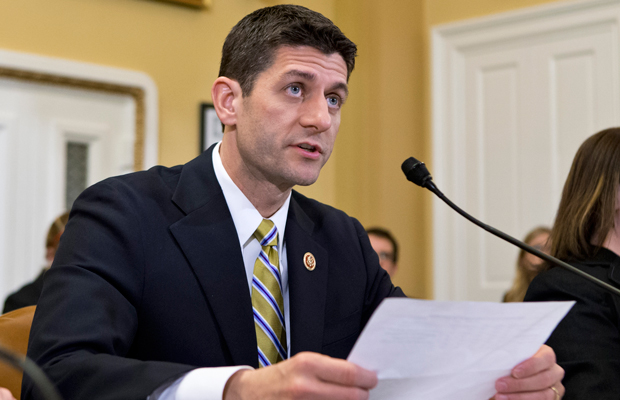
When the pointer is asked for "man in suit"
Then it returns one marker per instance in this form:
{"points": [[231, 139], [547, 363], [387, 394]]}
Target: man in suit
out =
{"points": [[152, 292]]}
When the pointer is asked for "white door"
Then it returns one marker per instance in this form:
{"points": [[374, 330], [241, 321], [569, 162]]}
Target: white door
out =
{"points": [[54, 142], [515, 96]]}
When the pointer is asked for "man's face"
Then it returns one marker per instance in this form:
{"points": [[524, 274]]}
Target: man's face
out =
{"points": [[385, 251], [286, 128]]}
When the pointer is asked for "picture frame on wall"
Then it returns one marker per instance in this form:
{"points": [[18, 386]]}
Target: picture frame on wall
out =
{"points": [[210, 126], [192, 3]]}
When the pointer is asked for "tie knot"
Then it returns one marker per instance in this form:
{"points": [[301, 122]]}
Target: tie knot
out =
{"points": [[266, 233]]}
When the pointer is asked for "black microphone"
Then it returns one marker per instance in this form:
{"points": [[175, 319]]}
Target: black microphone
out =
{"points": [[416, 172], [33, 371]]}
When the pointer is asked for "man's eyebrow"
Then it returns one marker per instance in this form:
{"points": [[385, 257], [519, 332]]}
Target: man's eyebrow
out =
{"points": [[341, 86], [311, 77], [301, 74]]}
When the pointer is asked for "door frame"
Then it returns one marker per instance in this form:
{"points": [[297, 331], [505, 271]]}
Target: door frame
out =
{"points": [[450, 43], [81, 75]]}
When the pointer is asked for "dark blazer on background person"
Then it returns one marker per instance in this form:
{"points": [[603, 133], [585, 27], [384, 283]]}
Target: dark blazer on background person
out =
{"points": [[587, 341], [28, 295], [149, 283]]}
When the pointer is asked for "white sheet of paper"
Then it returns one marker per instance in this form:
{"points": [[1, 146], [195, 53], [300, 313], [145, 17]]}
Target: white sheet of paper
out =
{"points": [[436, 350]]}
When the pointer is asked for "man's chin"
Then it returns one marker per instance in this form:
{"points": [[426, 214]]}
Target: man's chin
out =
{"points": [[305, 176], [306, 179], [300, 175], [306, 182]]}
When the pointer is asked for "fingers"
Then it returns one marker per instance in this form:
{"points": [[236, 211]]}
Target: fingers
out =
{"points": [[304, 376], [323, 377], [541, 381], [533, 379], [542, 360], [560, 389], [5, 394], [338, 371], [311, 390], [547, 394]]}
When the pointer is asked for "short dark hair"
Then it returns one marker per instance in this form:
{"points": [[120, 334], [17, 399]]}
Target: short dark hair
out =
{"points": [[385, 234], [250, 47]]}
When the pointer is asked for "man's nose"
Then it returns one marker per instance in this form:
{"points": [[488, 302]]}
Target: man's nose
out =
{"points": [[316, 114]]}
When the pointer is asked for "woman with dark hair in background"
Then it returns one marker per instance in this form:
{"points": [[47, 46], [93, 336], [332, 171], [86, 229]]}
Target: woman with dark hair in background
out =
{"points": [[528, 265], [586, 234]]}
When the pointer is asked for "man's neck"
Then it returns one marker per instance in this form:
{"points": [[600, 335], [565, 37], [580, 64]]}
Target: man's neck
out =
{"points": [[266, 197]]}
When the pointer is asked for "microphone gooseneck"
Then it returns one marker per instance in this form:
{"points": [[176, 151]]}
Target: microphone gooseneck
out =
{"points": [[416, 172], [31, 369]]}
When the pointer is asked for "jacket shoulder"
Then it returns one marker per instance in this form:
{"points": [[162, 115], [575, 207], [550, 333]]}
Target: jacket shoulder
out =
{"points": [[324, 215]]}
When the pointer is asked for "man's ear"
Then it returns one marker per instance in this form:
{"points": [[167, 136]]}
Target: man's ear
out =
{"points": [[226, 95]]}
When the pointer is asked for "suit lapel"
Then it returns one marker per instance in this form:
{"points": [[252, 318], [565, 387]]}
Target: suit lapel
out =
{"points": [[208, 238], [307, 289]]}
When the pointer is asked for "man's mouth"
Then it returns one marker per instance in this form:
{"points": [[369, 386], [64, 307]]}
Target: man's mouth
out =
{"points": [[307, 147]]}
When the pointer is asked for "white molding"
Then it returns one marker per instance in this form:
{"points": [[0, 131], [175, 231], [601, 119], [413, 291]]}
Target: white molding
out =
{"points": [[450, 43], [97, 73], [509, 24], [92, 134], [7, 129]]}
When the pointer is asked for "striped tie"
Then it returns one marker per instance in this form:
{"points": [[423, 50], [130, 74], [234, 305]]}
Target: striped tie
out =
{"points": [[267, 302]]}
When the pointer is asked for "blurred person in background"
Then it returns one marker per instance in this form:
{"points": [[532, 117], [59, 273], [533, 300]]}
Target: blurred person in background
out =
{"points": [[586, 234], [29, 294], [528, 265], [386, 247]]}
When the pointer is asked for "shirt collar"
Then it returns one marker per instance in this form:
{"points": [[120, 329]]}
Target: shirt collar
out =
{"points": [[245, 216]]}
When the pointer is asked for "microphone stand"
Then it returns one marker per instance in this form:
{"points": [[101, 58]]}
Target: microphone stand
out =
{"points": [[417, 173], [33, 371]]}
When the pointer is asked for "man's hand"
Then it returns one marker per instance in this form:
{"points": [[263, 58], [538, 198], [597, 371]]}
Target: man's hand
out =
{"points": [[533, 379], [5, 394], [304, 376]]}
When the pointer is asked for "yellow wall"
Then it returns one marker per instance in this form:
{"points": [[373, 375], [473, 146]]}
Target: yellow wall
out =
{"points": [[388, 119], [442, 11], [383, 124], [179, 47], [385, 120]]}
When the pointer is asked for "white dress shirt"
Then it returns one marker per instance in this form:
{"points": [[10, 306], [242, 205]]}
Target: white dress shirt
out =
{"points": [[208, 383]]}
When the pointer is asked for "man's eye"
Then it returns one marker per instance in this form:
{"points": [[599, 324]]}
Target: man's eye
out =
{"points": [[333, 101], [294, 90]]}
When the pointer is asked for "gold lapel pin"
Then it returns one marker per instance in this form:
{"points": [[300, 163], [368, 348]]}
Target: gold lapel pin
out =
{"points": [[309, 261]]}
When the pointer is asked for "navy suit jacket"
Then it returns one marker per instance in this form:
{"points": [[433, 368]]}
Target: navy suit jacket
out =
{"points": [[149, 283], [587, 341]]}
